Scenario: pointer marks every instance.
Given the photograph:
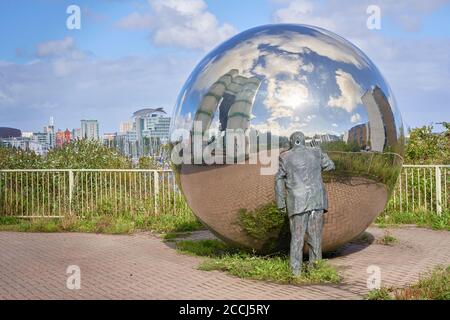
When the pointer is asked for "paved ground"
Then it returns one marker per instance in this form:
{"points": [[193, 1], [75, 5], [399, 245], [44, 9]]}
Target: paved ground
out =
{"points": [[141, 266]]}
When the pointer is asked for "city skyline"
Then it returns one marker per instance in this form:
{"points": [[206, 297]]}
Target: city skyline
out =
{"points": [[142, 135], [48, 70]]}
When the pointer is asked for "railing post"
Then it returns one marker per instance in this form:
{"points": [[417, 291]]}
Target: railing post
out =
{"points": [[438, 184], [156, 189], [70, 190]]}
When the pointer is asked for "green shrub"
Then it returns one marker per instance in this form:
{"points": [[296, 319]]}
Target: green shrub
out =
{"points": [[86, 154], [434, 286], [266, 225], [426, 147], [379, 294]]}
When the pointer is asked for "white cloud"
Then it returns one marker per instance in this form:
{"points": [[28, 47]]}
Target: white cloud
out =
{"points": [[4, 98], [105, 89], [182, 23], [308, 67], [56, 47], [351, 92], [300, 43], [355, 118], [276, 64], [352, 17], [135, 21], [297, 11]]}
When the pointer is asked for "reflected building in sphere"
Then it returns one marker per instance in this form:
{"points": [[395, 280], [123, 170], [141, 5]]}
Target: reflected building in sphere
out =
{"points": [[380, 132], [256, 89], [382, 128], [359, 135]]}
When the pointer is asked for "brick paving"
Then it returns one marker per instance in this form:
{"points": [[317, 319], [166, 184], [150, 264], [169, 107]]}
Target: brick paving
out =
{"points": [[142, 266]]}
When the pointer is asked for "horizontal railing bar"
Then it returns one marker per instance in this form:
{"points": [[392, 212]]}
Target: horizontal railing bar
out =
{"points": [[166, 170], [33, 217], [426, 165]]}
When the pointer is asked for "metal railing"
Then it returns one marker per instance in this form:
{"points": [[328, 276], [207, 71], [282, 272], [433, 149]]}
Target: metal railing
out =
{"points": [[421, 189], [61, 192], [57, 193]]}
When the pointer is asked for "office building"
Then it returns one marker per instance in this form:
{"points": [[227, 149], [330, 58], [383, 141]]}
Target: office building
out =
{"points": [[63, 137], [90, 130], [76, 134], [126, 126]]}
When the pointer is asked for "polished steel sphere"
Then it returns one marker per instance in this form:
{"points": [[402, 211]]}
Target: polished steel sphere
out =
{"points": [[266, 83]]}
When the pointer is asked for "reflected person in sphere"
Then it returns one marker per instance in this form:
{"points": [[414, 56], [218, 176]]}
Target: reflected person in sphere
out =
{"points": [[298, 183]]}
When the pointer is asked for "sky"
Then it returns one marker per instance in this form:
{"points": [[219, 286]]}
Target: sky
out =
{"points": [[133, 54]]}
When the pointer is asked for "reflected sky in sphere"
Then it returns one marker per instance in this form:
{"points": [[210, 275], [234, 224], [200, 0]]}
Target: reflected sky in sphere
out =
{"points": [[310, 79]]}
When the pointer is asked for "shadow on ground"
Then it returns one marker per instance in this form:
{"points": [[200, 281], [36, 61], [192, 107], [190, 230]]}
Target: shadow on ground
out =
{"points": [[360, 243]]}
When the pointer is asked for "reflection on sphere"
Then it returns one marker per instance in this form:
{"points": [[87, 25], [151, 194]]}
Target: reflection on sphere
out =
{"points": [[266, 83]]}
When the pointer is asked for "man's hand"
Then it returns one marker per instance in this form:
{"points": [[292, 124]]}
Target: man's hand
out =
{"points": [[282, 211]]}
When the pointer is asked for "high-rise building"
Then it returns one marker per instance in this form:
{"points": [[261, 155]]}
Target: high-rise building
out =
{"points": [[157, 126], [90, 130], [50, 133], [63, 137], [109, 139], [76, 134], [126, 126], [40, 137], [152, 128]]}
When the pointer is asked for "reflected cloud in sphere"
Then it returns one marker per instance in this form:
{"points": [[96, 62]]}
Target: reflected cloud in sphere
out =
{"points": [[268, 82]]}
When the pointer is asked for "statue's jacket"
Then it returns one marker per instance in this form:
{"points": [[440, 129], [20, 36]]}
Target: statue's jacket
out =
{"points": [[299, 176]]}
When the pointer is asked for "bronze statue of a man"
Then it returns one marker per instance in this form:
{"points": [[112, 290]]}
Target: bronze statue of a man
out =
{"points": [[299, 179]]}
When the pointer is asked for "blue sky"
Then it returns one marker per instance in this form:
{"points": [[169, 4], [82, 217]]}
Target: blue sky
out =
{"points": [[130, 54]]}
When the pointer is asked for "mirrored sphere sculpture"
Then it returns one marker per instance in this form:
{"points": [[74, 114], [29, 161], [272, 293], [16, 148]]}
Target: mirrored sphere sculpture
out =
{"points": [[241, 103]]}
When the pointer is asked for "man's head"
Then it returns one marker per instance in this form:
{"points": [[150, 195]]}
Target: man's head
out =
{"points": [[297, 139]]}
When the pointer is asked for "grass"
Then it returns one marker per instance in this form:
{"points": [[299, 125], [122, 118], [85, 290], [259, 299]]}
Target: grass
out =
{"points": [[422, 219], [247, 265], [388, 239], [379, 294], [111, 224], [434, 286], [206, 248], [381, 167]]}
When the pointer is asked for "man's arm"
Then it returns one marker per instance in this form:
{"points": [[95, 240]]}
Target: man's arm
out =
{"points": [[327, 163], [280, 187]]}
